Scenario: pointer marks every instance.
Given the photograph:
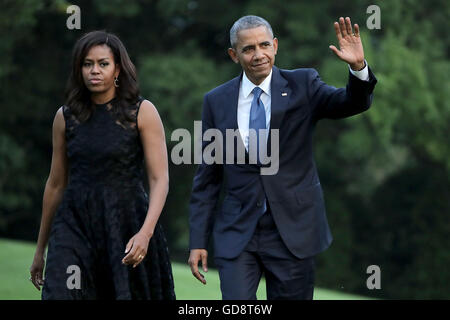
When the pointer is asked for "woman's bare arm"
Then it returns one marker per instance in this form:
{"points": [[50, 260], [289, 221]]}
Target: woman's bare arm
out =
{"points": [[54, 189], [155, 152], [56, 182]]}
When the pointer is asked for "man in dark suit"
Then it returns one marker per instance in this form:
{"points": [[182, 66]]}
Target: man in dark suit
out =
{"points": [[271, 224]]}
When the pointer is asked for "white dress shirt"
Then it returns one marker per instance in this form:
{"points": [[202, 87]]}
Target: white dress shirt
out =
{"points": [[246, 98], [245, 103]]}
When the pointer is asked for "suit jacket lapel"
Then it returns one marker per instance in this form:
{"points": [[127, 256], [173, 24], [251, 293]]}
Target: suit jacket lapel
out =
{"points": [[233, 96], [280, 93]]}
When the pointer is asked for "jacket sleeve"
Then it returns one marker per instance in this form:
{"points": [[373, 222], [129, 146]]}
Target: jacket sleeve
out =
{"points": [[205, 191], [328, 102]]}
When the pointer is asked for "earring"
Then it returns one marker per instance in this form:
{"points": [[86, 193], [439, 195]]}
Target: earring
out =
{"points": [[116, 82]]}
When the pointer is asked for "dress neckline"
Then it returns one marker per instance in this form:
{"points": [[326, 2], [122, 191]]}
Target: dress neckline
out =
{"points": [[105, 104]]}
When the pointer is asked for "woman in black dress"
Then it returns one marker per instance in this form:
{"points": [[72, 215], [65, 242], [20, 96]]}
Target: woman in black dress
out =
{"points": [[104, 238]]}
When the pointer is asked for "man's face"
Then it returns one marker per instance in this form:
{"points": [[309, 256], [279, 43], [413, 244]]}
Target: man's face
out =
{"points": [[255, 50]]}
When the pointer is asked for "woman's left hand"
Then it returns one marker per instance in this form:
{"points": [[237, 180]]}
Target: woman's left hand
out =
{"points": [[136, 249]]}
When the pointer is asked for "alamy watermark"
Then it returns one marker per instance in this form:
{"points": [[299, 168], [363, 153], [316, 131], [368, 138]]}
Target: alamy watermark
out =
{"points": [[374, 20], [74, 280], [213, 152], [374, 281], [74, 20]]}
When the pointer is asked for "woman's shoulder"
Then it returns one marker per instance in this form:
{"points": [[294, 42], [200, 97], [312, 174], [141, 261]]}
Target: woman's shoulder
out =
{"points": [[140, 100], [67, 116], [60, 114], [145, 105], [143, 102], [65, 111], [148, 114]]}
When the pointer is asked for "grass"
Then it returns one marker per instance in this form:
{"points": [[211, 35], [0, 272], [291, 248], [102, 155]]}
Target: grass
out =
{"points": [[16, 258]]}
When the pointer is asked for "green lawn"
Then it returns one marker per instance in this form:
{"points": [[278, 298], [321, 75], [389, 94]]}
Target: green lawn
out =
{"points": [[16, 258]]}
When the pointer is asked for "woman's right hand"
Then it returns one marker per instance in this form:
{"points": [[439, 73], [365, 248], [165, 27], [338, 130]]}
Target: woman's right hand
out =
{"points": [[37, 270]]}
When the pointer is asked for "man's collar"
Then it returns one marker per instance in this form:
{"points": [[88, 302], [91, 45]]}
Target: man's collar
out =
{"points": [[247, 86]]}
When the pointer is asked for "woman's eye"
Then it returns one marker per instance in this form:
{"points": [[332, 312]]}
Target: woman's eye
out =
{"points": [[104, 64], [86, 64]]}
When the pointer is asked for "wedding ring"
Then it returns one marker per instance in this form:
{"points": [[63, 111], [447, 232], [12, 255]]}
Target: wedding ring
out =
{"points": [[140, 257]]}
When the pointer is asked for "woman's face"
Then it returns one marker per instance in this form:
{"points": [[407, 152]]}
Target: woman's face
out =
{"points": [[99, 70]]}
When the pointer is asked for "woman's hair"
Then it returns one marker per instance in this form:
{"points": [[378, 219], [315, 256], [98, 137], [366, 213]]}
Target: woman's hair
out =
{"points": [[78, 97]]}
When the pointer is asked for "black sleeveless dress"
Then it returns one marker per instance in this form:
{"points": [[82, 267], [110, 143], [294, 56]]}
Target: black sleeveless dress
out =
{"points": [[103, 206]]}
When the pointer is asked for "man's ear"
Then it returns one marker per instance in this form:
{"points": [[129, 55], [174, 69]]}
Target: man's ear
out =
{"points": [[275, 45], [233, 55]]}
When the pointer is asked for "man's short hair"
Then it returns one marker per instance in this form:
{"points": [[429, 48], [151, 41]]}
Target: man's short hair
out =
{"points": [[247, 22]]}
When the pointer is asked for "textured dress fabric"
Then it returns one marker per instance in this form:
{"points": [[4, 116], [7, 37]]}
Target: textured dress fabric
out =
{"points": [[103, 206]]}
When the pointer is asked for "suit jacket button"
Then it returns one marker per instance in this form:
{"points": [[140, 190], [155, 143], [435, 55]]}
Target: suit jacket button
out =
{"points": [[259, 204]]}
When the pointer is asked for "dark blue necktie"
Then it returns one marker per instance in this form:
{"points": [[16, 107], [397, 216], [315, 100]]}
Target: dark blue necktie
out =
{"points": [[257, 121]]}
